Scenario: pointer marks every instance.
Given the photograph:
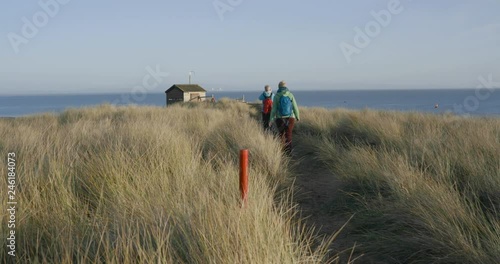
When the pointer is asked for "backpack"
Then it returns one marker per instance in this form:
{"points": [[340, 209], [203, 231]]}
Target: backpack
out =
{"points": [[268, 105], [285, 108]]}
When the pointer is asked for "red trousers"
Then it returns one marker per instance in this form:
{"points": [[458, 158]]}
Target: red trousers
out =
{"points": [[285, 127]]}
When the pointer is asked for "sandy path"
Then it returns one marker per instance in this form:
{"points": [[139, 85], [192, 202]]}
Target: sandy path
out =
{"points": [[316, 194]]}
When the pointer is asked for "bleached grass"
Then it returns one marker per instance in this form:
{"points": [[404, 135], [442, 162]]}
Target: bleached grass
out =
{"points": [[425, 188], [150, 185]]}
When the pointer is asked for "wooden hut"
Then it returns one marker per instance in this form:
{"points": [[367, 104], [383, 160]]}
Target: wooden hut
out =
{"points": [[185, 93]]}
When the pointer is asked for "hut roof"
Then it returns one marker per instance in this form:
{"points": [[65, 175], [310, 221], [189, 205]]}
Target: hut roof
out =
{"points": [[187, 88]]}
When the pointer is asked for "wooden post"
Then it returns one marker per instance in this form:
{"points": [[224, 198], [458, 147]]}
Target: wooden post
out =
{"points": [[244, 175]]}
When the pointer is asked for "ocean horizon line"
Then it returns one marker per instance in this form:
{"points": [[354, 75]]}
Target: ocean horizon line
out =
{"points": [[240, 91]]}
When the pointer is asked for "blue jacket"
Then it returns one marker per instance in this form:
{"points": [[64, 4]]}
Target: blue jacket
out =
{"points": [[264, 95]]}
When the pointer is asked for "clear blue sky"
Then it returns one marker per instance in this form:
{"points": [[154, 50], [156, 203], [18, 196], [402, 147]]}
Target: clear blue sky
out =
{"points": [[105, 46]]}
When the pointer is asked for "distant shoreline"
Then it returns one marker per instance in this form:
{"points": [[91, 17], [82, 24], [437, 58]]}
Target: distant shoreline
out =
{"points": [[452, 101]]}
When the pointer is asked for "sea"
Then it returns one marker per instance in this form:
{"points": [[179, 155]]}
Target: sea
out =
{"points": [[478, 102]]}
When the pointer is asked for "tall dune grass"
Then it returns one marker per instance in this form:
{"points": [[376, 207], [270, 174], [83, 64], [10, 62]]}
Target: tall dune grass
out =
{"points": [[150, 185], [425, 188]]}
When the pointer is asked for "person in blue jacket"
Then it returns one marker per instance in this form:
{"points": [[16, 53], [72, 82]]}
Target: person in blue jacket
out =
{"points": [[285, 112]]}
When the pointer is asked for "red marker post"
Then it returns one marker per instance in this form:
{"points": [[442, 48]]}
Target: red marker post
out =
{"points": [[244, 175]]}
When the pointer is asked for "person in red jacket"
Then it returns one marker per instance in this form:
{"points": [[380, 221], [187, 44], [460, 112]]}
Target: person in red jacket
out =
{"points": [[267, 98]]}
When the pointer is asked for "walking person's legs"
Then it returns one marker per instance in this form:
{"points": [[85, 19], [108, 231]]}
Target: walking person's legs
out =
{"points": [[285, 128], [281, 125], [265, 120], [288, 135]]}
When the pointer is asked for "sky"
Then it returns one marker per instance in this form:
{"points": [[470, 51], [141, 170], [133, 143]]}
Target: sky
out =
{"points": [[91, 46]]}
